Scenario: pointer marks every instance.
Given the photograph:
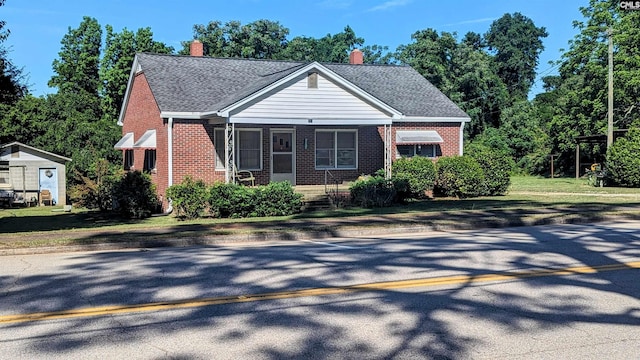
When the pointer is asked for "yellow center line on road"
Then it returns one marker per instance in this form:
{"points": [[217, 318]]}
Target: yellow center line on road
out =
{"points": [[424, 282]]}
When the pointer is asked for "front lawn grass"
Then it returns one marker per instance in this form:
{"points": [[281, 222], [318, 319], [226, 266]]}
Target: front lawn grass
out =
{"points": [[525, 193]]}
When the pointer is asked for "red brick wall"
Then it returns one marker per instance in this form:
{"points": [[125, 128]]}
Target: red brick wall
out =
{"points": [[193, 151], [142, 114], [450, 133]]}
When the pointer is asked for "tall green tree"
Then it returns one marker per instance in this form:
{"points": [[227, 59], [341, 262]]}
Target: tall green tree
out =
{"points": [[4, 33], [462, 71], [117, 59], [261, 39], [75, 126], [76, 69], [576, 101], [12, 85], [331, 48], [24, 121], [516, 44]]}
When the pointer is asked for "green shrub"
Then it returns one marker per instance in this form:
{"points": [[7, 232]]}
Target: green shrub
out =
{"points": [[188, 198], [414, 176], [277, 199], [135, 195], [623, 160], [459, 176], [230, 200], [235, 201], [497, 167], [373, 191]]}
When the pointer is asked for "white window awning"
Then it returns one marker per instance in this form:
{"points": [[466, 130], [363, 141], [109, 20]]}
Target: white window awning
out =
{"points": [[147, 141], [412, 137], [126, 142]]}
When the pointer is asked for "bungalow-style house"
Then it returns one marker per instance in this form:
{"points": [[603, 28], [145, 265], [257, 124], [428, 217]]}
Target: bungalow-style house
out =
{"points": [[302, 122]]}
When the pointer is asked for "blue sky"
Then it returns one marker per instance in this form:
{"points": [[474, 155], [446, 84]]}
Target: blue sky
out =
{"points": [[37, 26]]}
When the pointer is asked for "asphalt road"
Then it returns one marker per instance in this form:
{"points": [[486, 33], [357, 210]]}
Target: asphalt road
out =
{"points": [[547, 292]]}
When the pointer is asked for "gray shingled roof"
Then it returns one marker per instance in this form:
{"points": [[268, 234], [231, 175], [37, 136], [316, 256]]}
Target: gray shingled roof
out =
{"points": [[203, 84]]}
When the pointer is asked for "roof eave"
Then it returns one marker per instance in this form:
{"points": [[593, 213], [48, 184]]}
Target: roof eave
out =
{"points": [[36, 149], [125, 103], [433, 119]]}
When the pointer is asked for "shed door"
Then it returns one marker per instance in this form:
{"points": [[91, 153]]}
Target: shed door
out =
{"points": [[49, 181]]}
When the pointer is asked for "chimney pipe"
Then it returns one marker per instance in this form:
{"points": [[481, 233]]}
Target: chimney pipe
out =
{"points": [[196, 48], [356, 57]]}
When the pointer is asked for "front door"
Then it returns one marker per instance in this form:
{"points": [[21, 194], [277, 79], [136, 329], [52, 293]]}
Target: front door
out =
{"points": [[283, 156], [49, 181]]}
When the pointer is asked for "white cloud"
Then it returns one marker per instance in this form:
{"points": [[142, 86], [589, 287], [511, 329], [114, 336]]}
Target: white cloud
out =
{"points": [[474, 21], [389, 4]]}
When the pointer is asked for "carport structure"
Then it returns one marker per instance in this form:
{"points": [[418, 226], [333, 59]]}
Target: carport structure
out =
{"points": [[593, 139]]}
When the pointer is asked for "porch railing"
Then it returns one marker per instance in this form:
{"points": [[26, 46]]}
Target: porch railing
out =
{"points": [[329, 176]]}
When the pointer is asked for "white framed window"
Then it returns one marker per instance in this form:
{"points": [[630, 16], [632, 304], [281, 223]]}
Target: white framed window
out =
{"points": [[425, 150], [336, 149], [248, 148]]}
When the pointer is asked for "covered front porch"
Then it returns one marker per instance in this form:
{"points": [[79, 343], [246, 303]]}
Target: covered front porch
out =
{"points": [[303, 154]]}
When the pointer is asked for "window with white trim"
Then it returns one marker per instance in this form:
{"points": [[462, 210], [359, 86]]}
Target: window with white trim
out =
{"points": [[336, 149], [248, 148], [425, 150]]}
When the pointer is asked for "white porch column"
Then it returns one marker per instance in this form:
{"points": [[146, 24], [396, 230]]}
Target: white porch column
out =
{"points": [[170, 151], [229, 151], [387, 151]]}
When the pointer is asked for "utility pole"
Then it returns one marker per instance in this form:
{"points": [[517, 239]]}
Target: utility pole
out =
{"points": [[610, 102]]}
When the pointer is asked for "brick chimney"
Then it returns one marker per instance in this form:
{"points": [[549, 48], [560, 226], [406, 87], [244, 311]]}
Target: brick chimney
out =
{"points": [[356, 57], [196, 48]]}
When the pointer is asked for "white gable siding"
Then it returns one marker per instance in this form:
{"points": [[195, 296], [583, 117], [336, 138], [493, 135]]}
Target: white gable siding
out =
{"points": [[6, 155], [297, 101]]}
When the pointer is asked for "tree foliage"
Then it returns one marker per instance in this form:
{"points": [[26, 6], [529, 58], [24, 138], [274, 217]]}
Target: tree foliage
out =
{"points": [[76, 69], [575, 101], [12, 79], [261, 39], [517, 44], [462, 71], [117, 59]]}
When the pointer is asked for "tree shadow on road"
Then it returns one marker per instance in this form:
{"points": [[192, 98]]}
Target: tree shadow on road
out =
{"points": [[381, 323]]}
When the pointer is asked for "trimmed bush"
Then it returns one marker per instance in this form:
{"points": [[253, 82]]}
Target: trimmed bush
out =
{"points": [[413, 177], [230, 200], [623, 162], [497, 167], [459, 176], [188, 198], [277, 199], [373, 191], [135, 195], [236, 201]]}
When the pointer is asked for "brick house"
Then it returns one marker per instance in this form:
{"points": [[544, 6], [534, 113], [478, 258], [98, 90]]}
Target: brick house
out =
{"points": [[281, 120]]}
